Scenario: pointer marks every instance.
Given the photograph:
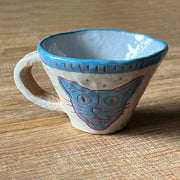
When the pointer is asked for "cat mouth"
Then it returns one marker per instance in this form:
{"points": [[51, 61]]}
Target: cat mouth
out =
{"points": [[100, 121], [96, 121]]}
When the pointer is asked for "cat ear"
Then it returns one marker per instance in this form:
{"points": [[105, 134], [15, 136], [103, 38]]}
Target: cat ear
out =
{"points": [[128, 89], [70, 87]]}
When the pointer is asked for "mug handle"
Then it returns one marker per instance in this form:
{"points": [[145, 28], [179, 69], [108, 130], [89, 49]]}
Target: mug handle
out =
{"points": [[29, 88]]}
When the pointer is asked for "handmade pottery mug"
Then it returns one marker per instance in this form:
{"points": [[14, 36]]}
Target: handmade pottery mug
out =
{"points": [[98, 74]]}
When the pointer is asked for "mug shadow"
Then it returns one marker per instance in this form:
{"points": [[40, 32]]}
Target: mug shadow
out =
{"points": [[165, 123]]}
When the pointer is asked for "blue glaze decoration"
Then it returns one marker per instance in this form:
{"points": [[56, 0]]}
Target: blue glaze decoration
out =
{"points": [[100, 66], [98, 108]]}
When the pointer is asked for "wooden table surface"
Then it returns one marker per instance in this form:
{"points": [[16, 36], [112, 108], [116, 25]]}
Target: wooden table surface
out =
{"points": [[39, 144]]}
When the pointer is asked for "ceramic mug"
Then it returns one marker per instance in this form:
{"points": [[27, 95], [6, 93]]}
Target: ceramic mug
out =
{"points": [[99, 75]]}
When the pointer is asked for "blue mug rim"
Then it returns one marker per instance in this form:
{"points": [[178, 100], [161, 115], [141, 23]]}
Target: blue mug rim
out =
{"points": [[70, 63]]}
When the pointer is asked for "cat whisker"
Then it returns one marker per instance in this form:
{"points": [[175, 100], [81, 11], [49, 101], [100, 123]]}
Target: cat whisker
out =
{"points": [[113, 110], [78, 105], [119, 111], [82, 114], [111, 116], [74, 103], [67, 100], [69, 105], [80, 110], [116, 115]]}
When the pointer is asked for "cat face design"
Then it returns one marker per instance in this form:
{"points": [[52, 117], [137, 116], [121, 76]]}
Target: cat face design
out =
{"points": [[98, 108]]}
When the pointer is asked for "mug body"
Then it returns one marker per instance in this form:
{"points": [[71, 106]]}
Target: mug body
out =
{"points": [[100, 75]]}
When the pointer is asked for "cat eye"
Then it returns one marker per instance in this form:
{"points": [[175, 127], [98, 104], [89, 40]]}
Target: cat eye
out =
{"points": [[111, 100], [84, 99]]}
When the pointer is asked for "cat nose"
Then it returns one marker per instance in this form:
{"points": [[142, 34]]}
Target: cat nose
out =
{"points": [[96, 110]]}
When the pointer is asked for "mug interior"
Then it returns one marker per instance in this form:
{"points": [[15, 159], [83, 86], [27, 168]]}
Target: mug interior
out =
{"points": [[102, 44]]}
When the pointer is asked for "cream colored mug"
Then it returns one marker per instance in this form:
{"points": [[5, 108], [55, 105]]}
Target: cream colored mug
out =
{"points": [[99, 75]]}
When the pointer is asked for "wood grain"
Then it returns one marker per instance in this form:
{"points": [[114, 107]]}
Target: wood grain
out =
{"points": [[40, 144]]}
